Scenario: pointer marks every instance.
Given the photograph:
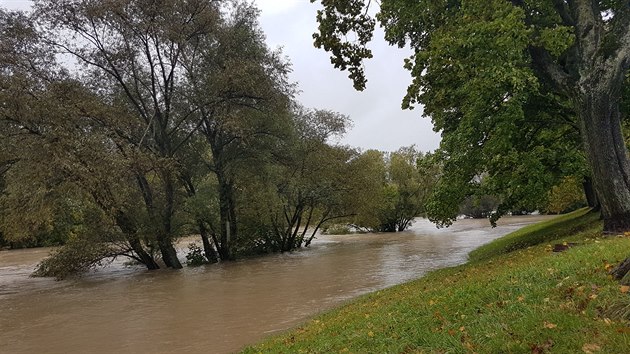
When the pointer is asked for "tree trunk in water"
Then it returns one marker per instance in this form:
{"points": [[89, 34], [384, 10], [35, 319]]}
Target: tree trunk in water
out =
{"points": [[211, 254], [145, 258], [599, 113], [165, 238], [129, 229], [169, 254], [227, 216]]}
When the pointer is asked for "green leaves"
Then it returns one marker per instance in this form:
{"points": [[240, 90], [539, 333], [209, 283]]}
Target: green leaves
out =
{"points": [[338, 20], [400, 183], [557, 39]]}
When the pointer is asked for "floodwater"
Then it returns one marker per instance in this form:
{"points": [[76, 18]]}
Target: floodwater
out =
{"points": [[219, 308]]}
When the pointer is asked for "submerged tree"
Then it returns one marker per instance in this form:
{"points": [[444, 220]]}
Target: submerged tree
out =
{"points": [[147, 124], [307, 185], [239, 96], [404, 180], [185, 78]]}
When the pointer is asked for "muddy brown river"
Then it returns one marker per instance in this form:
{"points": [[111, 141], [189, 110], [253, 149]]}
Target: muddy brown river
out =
{"points": [[219, 308]]}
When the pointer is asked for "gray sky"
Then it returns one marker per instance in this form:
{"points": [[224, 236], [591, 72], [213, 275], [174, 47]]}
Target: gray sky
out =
{"points": [[379, 122]]}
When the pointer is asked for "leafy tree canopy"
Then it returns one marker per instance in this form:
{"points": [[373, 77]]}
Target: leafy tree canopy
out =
{"points": [[523, 90]]}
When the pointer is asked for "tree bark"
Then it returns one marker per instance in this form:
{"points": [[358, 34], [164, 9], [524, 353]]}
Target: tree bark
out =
{"points": [[598, 109], [621, 270], [227, 214], [589, 193], [144, 257], [130, 232], [165, 237], [211, 254]]}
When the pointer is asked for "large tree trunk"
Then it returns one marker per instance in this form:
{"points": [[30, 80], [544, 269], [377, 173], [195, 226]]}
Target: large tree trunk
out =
{"points": [[130, 232], [598, 108], [589, 193], [165, 237], [144, 257], [163, 222], [227, 214]]}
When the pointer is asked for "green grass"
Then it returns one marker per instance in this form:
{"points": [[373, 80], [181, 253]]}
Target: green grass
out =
{"points": [[528, 300], [535, 234]]}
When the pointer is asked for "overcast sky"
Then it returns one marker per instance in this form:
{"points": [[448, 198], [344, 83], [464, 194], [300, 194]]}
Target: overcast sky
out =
{"points": [[379, 122]]}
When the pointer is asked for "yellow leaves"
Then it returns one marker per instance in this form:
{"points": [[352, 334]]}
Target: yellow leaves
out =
{"points": [[590, 348], [469, 346], [370, 334], [521, 298], [432, 302], [550, 325], [624, 289], [607, 266], [438, 315]]}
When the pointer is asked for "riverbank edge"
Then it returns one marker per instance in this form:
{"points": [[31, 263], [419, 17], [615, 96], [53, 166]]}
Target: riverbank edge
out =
{"points": [[514, 295]]}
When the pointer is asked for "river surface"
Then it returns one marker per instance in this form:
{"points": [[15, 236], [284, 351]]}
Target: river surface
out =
{"points": [[219, 308]]}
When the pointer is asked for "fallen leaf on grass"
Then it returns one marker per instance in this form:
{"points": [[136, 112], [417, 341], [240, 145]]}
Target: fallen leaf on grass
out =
{"points": [[623, 330], [608, 266], [541, 348], [624, 288], [550, 325], [590, 348]]}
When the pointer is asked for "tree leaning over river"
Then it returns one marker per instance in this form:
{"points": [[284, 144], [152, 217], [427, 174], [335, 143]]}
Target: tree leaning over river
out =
{"points": [[476, 64]]}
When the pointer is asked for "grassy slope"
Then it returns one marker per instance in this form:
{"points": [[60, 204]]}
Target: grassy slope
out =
{"points": [[556, 228], [529, 300]]}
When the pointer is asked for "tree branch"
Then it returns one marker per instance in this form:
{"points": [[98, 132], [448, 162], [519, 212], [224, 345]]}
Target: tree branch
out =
{"points": [[553, 72], [620, 60], [563, 10]]}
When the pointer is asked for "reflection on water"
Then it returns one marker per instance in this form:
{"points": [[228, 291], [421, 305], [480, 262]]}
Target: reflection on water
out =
{"points": [[219, 308]]}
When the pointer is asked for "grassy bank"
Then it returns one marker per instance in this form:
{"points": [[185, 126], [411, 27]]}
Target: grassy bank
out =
{"points": [[515, 296]]}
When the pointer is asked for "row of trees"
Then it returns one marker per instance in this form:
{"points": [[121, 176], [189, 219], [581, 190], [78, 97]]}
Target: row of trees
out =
{"points": [[126, 125]]}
